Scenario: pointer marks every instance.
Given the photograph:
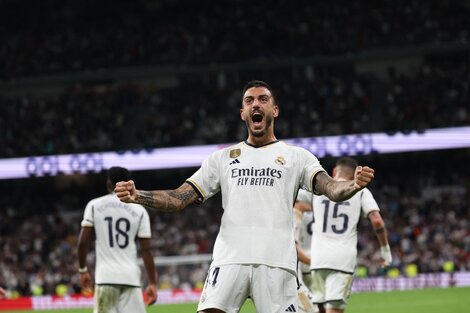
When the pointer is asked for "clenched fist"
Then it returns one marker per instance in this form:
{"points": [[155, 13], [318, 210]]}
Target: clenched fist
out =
{"points": [[363, 176], [150, 295], [125, 190]]}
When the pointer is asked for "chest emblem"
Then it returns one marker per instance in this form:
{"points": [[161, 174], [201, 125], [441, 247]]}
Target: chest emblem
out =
{"points": [[280, 161], [235, 153]]}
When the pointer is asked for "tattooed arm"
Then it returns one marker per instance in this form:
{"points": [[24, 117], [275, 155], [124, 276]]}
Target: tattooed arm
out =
{"points": [[343, 190], [162, 200]]}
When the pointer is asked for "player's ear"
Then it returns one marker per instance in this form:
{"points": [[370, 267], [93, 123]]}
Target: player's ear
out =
{"points": [[241, 115], [276, 111], [335, 171]]}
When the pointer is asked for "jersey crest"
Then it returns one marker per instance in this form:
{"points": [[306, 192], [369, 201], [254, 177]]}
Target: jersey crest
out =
{"points": [[280, 161], [235, 153]]}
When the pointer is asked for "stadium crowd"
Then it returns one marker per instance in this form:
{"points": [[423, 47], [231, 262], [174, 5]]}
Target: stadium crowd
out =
{"points": [[313, 102], [54, 36], [428, 220]]}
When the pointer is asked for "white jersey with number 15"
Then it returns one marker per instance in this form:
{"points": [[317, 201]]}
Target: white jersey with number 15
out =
{"points": [[334, 240]]}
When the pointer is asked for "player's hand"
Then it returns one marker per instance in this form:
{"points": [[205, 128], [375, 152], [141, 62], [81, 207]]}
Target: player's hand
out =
{"points": [[385, 256], [363, 176], [85, 282], [125, 191], [150, 294]]}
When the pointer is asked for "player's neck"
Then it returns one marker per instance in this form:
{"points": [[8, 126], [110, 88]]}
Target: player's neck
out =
{"points": [[261, 141]]}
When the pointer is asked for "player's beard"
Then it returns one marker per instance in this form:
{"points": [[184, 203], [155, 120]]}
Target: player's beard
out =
{"points": [[261, 132]]}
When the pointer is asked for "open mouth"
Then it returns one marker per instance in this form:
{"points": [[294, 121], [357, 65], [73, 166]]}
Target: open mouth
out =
{"points": [[257, 118]]}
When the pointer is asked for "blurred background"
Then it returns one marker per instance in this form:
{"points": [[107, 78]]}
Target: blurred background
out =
{"points": [[81, 77]]}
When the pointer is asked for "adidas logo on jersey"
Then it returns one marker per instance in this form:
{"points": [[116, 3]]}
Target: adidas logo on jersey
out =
{"points": [[290, 308], [234, 162]]}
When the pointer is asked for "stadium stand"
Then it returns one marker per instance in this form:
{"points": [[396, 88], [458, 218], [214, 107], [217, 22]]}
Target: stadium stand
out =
{"points": [[104, 117], [54, 36]]}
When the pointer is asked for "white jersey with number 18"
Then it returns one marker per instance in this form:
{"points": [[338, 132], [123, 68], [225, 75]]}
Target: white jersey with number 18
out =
{"points": [[258, 186], [117, 225], [334, 241]]}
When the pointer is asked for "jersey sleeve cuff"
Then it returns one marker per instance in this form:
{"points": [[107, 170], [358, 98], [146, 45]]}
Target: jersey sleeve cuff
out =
{"points": [[198, 190], [87, 223], [312, 182]]}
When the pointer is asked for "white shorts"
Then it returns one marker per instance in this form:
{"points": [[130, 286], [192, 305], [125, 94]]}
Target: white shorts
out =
{"points": [[117, 299], [306, 279], [272, 289], [331, 287]]}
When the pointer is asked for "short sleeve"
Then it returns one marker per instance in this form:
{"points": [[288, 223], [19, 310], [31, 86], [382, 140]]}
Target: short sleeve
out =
{"points": [[368, 203], [88, 216], [144, 227], [304, 196], [310, 168], [206, 180]]}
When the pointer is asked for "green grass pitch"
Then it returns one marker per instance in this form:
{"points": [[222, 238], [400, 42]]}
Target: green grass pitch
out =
{"points": [[451, 300]]}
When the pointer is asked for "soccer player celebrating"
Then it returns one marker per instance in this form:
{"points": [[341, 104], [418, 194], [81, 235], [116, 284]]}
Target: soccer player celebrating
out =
{"points": [[116, 226], [334, 240], [254, 253]]}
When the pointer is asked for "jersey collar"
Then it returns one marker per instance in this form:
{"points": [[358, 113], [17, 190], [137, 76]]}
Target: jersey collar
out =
{"points": [[266, 144]]}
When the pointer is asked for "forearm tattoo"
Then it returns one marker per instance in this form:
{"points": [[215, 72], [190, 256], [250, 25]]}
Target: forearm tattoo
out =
{"points": [[146, 199], [166, 200], [335, 190], [153, 200]]}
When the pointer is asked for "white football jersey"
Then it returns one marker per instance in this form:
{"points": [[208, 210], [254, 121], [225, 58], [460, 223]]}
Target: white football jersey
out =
{"points": [[116, 225], [258, 186], [334, 240], [303, 226]]}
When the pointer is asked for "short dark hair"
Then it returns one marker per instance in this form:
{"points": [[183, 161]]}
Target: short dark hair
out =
{"points": [[348, 162], [117, 174], [259, 83]]}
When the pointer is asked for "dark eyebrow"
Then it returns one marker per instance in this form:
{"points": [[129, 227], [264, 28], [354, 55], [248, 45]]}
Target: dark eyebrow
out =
{"points": [[252, 97]]}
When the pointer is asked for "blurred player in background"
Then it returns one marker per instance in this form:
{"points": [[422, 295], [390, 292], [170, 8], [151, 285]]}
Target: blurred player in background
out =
{"points": [[116, 226], [254, 253], [303, 223], [3, 293], [334, 240]]}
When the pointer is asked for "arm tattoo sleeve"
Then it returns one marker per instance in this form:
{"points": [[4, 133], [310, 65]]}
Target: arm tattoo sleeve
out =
{"points": [[146, 199], [183, 195], [167, 200], [335, 190]]}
